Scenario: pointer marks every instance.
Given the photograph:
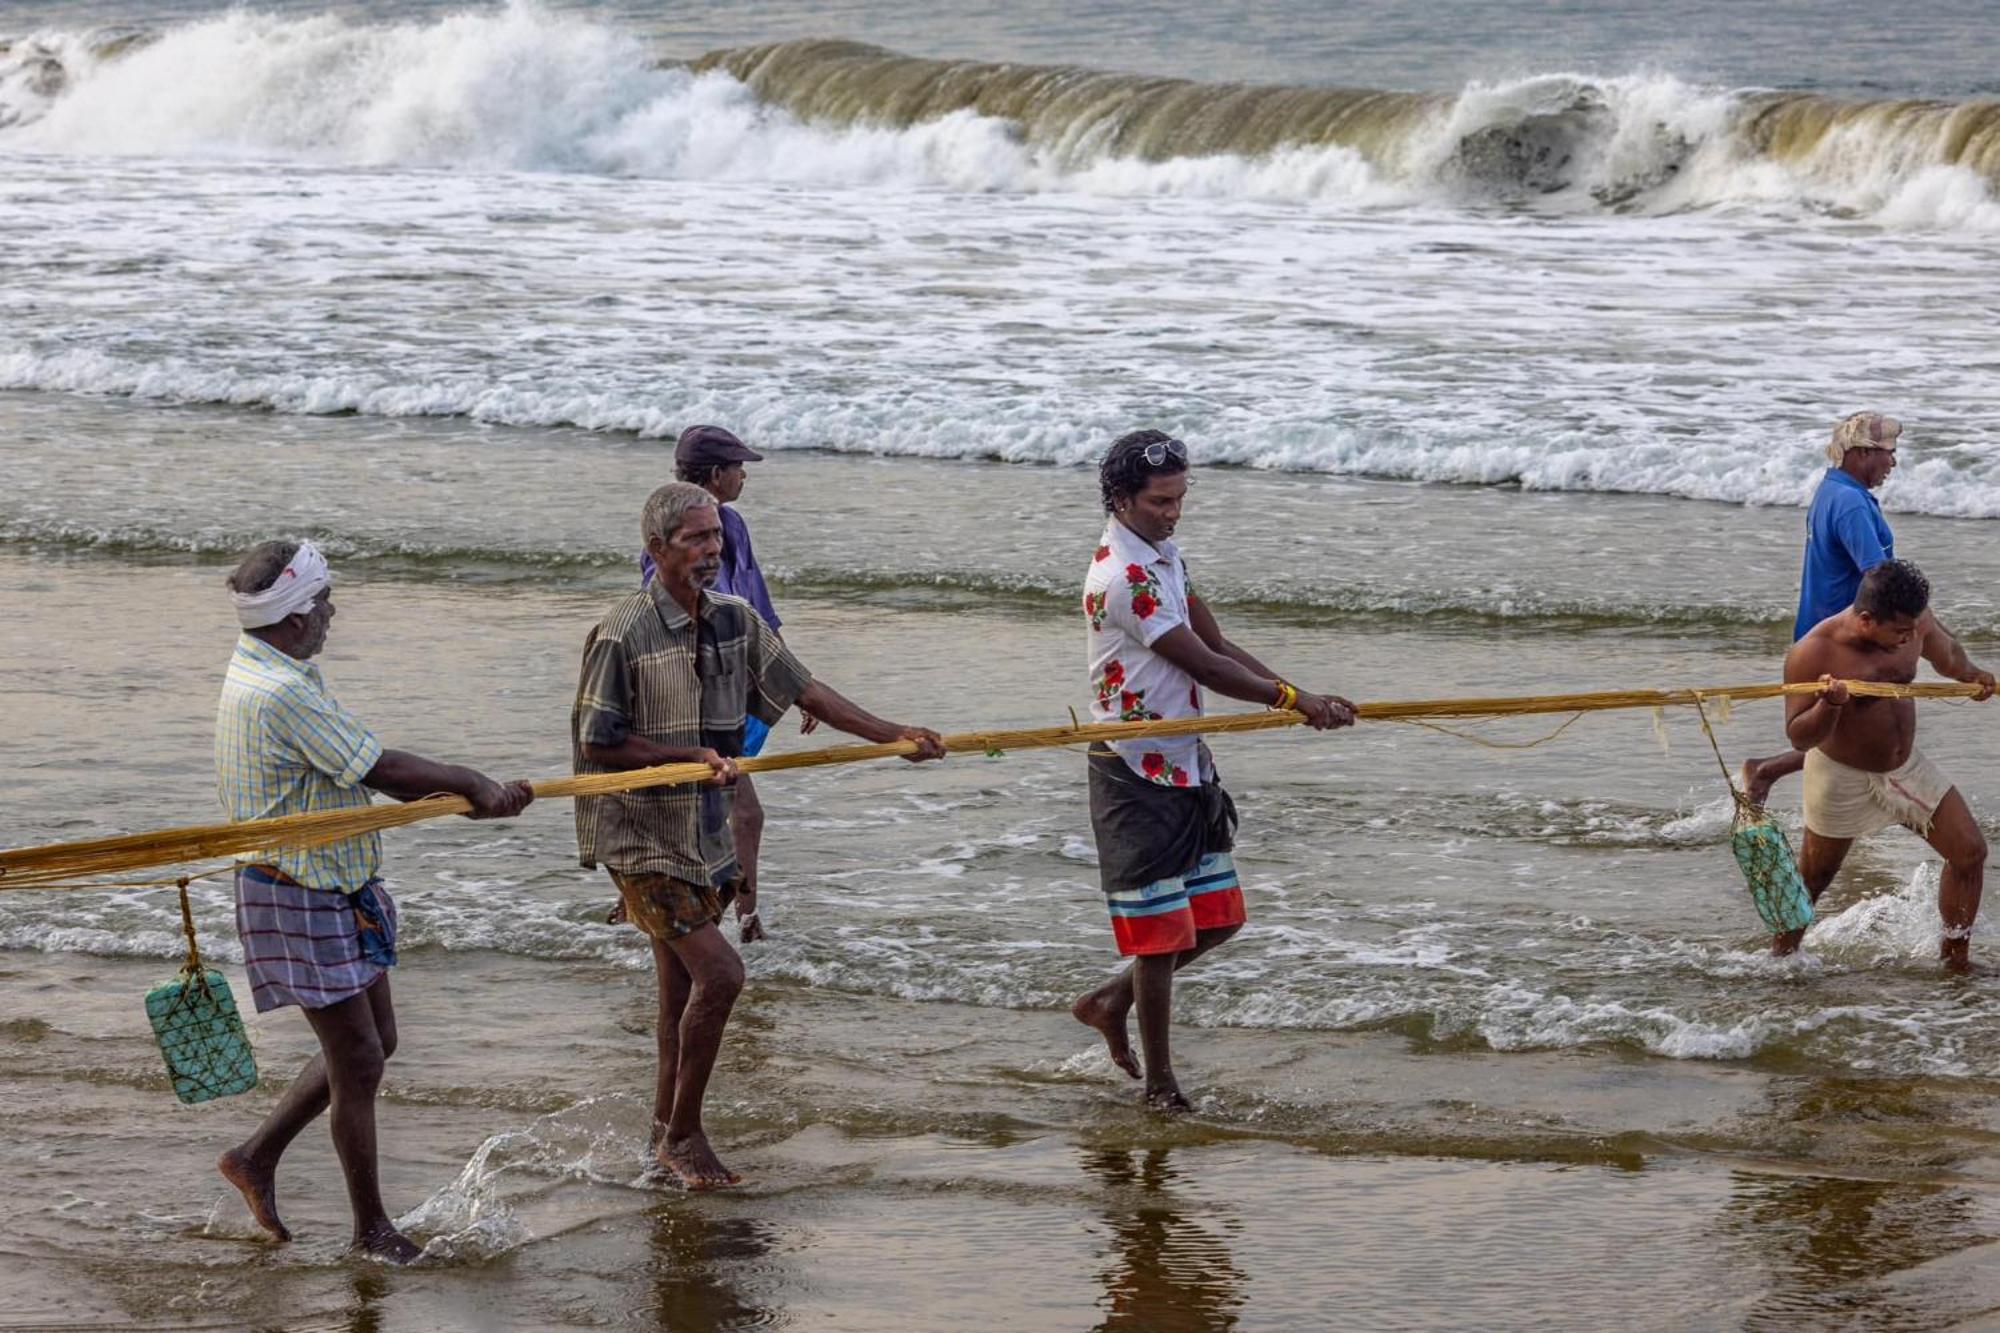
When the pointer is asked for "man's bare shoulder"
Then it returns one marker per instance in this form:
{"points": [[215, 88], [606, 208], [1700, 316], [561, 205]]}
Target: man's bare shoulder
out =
{"points": [[1815, 654]]}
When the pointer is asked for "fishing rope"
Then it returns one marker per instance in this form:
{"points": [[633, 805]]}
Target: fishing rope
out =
{"points": [[1745, 807], [63, 865]]}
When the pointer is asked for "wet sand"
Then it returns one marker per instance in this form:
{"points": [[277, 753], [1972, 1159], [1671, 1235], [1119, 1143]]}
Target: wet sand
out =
{"points": [[944, 1166]]}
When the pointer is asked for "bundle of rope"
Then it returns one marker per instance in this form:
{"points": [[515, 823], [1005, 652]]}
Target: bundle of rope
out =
{"points": [[63, 864]]}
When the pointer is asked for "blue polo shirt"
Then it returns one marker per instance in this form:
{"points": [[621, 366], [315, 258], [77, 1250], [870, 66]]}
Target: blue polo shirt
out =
{"points": [[1846, 536]]}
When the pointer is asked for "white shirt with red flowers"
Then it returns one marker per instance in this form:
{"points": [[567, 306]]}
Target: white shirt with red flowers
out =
{"points": [[1134, 593]]}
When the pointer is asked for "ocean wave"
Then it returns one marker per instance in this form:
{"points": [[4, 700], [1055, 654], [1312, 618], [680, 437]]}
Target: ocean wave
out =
{"points": [[522, 88]]}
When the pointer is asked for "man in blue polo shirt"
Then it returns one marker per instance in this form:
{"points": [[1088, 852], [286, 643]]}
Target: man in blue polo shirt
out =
{"points": [[1846, 536], [713, 458]]}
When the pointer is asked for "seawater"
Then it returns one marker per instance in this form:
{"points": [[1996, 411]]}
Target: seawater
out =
{"points": [[1503, 376]]}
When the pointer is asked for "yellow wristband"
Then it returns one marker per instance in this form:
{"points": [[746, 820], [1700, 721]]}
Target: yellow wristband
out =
{"points": [[1288, 697]]}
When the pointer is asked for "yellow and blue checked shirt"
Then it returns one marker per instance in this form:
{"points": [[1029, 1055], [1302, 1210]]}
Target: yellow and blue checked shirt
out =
{"points": [[285, 746]]}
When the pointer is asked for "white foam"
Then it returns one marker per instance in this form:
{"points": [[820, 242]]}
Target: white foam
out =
{"points": [[1899, 927], [1737, 470]]}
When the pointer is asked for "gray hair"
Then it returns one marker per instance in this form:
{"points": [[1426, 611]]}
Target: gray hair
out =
{"points": [[261, 566], [668, 507]]}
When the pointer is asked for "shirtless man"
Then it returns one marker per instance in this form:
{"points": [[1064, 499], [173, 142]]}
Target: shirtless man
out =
{"points": [[1863, 770]]}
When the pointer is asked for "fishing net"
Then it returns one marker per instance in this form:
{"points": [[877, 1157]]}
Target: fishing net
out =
{"points": [[1777, 890], [1763, 853], [200, 1032]]}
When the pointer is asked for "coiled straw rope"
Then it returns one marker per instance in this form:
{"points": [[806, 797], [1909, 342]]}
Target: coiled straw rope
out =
{"points": [[52, 865]]}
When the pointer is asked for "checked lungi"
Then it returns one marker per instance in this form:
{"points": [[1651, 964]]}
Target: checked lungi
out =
{"points": [[311, 947]]}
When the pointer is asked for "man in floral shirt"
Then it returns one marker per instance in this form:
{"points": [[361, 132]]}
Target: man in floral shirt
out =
{"points": [[1163, 823]]}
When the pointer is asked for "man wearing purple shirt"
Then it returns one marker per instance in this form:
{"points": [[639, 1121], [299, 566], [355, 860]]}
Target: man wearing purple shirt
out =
{"points": [[713, 458]]}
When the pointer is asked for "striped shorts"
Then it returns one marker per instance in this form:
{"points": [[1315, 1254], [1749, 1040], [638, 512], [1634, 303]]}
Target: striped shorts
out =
{"points": [[1162, 917]]}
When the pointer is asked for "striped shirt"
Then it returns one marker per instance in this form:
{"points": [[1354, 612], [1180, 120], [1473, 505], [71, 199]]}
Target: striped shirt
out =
{"points": [[285, 746], [649, 669]]}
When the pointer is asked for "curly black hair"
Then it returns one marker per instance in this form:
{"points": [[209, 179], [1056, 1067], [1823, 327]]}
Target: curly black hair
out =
{"points": [[1124, 471], [1892, 590], [698, 473]]}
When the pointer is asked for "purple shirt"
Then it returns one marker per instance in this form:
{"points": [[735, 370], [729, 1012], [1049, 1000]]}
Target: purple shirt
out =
{"points": [[740, 576]]}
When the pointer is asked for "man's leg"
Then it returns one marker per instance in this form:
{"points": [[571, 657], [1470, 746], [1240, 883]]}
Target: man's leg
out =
{"points": [[1149, 985], [252, 1166], [356, 1037], [674, 983], [746, 826], [1956, 836], [1758, 775], [1819, 862], [1106, 1008], [715, 973]]}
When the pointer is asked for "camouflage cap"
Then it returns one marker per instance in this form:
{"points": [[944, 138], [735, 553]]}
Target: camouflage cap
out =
{"points": [[1863, 430]]}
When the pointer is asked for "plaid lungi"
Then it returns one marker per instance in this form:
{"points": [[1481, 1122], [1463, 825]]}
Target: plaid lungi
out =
{"points": [[303, 946]]}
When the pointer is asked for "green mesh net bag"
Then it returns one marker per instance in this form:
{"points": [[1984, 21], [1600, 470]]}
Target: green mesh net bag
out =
{"points": [[1777, 890], [200, 1032], [1763, 853]]}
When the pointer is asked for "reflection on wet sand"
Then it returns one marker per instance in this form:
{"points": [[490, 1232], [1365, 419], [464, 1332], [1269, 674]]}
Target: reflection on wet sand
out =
{"points": [[1170, 1271], [1830, 1248], [695, 1264], [365, 1315]]}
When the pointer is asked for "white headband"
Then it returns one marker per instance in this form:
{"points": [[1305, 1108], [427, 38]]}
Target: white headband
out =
{"points": [[295, 589]]}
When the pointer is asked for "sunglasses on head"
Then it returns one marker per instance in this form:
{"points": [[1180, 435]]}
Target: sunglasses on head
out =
{"points": [[1156, 455]]}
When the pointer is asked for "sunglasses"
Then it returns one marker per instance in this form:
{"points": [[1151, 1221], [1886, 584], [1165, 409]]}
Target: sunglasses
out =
{"points": [[1156, 455]]}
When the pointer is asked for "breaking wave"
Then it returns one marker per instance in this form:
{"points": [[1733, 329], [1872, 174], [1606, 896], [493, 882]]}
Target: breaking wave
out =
{"points": [[519, 88]]}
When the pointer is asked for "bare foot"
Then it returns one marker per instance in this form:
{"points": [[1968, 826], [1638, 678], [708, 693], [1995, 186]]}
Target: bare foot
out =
{"points": [[386, 1243], [695, 1163], [1168, 1099], [749, 925], [1755, 785], [1093, 1012], [1956, 954], [259, 1188]]}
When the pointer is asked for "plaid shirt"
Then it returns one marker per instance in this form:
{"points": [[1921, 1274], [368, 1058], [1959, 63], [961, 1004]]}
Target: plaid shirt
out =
{"points": [[285, 746], [649, 669]]}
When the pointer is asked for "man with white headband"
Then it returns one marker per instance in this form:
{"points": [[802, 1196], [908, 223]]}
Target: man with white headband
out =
{"points": [[1846, 536], [318, 927]]}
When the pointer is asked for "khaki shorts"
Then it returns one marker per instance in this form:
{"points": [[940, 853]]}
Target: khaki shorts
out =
{"points": [[667, 908], [1843, 802]]}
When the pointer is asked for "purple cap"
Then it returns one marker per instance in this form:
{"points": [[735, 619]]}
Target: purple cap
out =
{"points": [[713, 444]]}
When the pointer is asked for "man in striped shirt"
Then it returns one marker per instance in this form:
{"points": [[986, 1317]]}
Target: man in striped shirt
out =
{"points": [[671, 675], [318, 927]]}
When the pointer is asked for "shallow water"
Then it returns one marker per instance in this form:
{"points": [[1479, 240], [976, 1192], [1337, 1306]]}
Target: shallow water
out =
{"points": [[1500, 1043]]}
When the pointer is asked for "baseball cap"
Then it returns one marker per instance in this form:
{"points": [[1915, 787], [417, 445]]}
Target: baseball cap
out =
{"points": [[712, 444]]}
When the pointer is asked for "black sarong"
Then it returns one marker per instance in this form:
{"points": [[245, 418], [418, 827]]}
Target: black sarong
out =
{"points": [[1146, 831]]}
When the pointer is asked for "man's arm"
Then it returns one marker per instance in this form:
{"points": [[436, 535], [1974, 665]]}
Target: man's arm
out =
{"points": [[410, 777], [1811, 718], [1239, 675], [1855, 530], [1209, 631], [638, 752], [843, 714], [1947, 655]]}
